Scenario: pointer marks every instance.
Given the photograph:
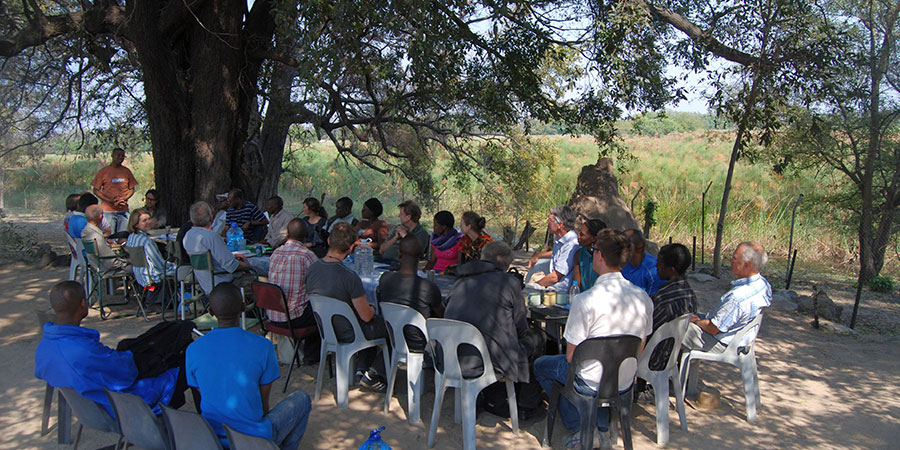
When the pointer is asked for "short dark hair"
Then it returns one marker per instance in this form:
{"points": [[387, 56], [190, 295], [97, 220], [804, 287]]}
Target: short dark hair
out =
{"points": [[374, 205], [411, 209], [594, 226], [278, 201], [152, 192], [614, 246], [410, 247], [344, 201], [72, 202], [342, 237], [237, 193], [676, 256], [296, 230], [86, 199], [445, 218]]}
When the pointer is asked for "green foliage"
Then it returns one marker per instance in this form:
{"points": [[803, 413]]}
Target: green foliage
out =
{"points": [[881, 284], [649, 219]]}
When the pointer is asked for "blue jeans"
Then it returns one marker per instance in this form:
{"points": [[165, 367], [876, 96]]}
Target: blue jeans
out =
{"points": [[289, 419], [118, 221], [548, 369]]}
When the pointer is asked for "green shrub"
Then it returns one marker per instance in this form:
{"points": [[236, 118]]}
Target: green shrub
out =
{"points": [[881, 284]]}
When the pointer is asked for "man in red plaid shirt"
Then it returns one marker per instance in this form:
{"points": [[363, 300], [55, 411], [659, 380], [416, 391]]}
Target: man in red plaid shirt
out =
{"points": [[287, 268]]}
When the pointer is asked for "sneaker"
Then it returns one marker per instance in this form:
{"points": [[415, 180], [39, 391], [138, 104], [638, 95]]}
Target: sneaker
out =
{"points": [[603, 437], [573, 441], [373, 383], [646, 397]]}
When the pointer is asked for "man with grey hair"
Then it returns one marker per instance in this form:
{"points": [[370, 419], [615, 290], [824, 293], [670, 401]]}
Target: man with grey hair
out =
{"points": [[108, 260], [561, 223], [201, 239], [485, 296], [749, 294]]}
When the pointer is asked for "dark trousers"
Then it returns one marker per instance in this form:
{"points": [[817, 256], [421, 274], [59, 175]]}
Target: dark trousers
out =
{"points": [[528, 394], [312, 343]]}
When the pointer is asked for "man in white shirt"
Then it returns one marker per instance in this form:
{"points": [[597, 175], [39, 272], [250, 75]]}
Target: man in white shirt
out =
{"points": [[561, 223], [613, 306], [278, 221], [201, 238]]}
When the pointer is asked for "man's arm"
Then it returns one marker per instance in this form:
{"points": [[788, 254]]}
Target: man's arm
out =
{"points": [[393, 239], [365, 309], [264, 390], [570, 351], [550, 279], [101, 196], [705, 324]]}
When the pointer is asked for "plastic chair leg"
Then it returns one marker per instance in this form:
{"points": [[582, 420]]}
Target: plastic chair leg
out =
{"points": [[63, 420], [415, 385], [342, 374], [589, 424], [513, 406], [468, 397], [751, 386], [457, 405], [439, 391], [323, 361], [679, 399], [661, 396], [392, 378], [624, 408]]}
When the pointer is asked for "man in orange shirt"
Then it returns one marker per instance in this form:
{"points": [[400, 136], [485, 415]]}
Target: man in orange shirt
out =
{"points": [[114, 185]]}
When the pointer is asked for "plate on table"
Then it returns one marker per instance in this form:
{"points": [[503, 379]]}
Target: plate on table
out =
{"points": [[246, 253]]}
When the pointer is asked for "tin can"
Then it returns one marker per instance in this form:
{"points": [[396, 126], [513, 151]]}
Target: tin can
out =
{"points": [[549, 298]]}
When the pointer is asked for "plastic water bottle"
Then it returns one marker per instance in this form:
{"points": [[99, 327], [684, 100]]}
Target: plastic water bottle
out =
{"points": [[374, 442], [231, 237], [574, 289], [363, 259]]}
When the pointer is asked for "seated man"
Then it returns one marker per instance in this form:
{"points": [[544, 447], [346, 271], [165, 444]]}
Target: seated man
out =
{"points": [[246, 215], [641, 267], [201, 239], [158, 214], [278, 221], [674, 299], [109, 261], [234, 370], [613, 306], [343, 212], [746, 299], [405, 287], [486, 296], [560, 222], [330, 278], [72, 356], [77, 222], [409, 216], [218, 224], [287, 268]]}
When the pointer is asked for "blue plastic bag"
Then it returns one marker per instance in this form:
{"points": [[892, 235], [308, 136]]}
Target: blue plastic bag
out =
{"points": [[374, 442]]}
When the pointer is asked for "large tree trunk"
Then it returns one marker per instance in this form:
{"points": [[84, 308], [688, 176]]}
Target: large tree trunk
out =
{"points": [[275, 127], [200, 85]]}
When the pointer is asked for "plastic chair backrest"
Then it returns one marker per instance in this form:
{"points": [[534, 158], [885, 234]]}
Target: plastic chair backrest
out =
{"points": [[674, 329], [270, 296], [241, 441], [325, 308], [610, 352], [450, 334], [89, 412], [76, 248], [189, 431], [753, 326], [136, 421], [90, 250], [399, 317]]}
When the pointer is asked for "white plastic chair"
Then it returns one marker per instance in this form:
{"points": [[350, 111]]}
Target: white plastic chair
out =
{"points": [[398, 317], [659, 379], [542, 265], [78, 262], [450, 334], [325, 309], [743, 357]]}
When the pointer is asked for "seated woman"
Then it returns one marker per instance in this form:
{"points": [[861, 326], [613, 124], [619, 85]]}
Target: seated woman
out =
{"points": [[371, 227], [583, 271], [315, 219], [152, 276], [474, 238], [444, 242]]}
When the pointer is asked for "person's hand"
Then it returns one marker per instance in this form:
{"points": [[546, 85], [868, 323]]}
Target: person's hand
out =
{"points": [[402, 231], [533, 260], [246, 226], [120, 203], [694, 318], [240, 257]]}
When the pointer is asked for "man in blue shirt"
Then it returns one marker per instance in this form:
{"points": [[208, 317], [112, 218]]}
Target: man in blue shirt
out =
{"points": [[641, 267], [234, 370], [72, 356]]}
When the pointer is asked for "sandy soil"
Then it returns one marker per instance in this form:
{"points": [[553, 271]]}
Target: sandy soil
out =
{"points": [[818, 390]]}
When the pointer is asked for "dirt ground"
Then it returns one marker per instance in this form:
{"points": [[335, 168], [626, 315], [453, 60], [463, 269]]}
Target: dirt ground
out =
{"points": [[818, 390]]}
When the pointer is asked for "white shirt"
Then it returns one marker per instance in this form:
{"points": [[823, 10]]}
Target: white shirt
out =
{"points": [[613, 306], [563, 260], [278, 223], [200, 240]]}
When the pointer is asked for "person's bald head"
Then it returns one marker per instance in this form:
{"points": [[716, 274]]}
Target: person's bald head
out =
{"points": [[296, 230], [225, 302], [94, 214], [68, 302]]}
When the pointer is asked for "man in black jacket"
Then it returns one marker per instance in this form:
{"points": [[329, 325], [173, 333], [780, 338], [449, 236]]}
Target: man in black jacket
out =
{"points": [[489, 298]]}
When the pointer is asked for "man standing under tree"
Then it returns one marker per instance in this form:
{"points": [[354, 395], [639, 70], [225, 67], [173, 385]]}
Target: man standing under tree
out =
{"points": [[114, 185]]}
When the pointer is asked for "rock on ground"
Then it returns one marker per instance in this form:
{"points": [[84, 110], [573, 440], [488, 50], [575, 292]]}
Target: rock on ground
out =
{"points": [[827, 309]]}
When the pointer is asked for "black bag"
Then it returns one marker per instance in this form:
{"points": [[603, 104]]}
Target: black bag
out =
{"points": [[160, 348]]}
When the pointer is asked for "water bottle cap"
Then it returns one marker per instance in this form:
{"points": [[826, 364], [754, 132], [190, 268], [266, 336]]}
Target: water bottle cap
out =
{"points": [[375, 435], [232, 224]]}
